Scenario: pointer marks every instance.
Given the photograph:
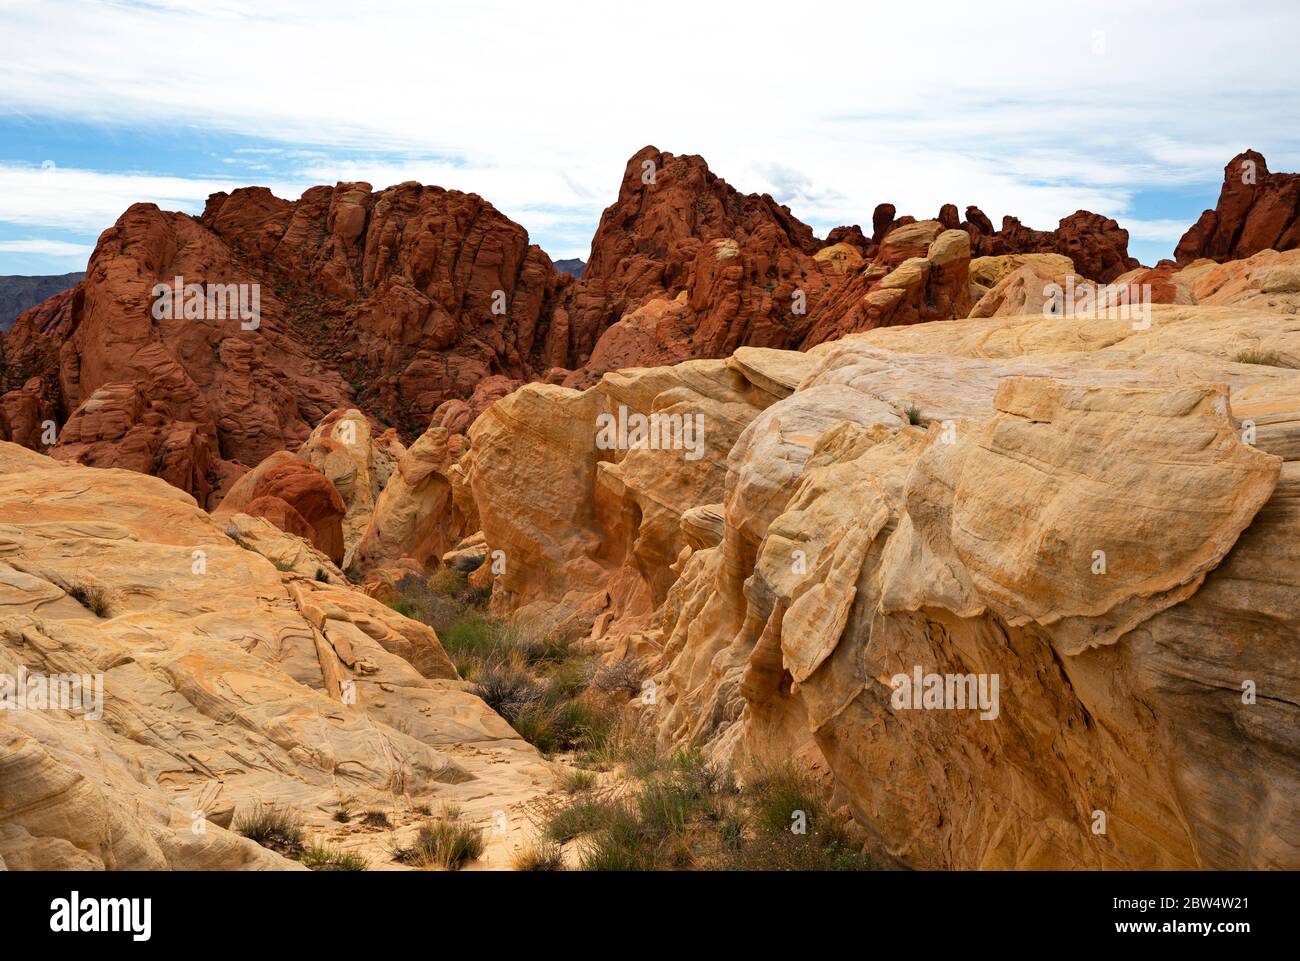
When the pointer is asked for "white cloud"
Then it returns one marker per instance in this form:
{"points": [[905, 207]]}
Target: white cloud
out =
{"points": [[1155, 230], [68, 198], [48, 248], [538, 106]]}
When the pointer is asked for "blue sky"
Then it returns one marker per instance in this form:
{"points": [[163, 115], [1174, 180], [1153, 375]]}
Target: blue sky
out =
{"points": [[1034, 112]]}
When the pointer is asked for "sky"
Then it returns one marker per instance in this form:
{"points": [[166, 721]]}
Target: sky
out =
{"points": [[1031, 110]]}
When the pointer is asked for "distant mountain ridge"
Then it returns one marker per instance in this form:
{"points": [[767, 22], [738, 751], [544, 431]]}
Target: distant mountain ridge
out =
{"points": [[573, 266], [18, 293]]}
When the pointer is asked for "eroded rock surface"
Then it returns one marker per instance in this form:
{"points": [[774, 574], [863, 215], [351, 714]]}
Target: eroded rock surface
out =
{"points": [[1257, 210], [226, 682], [1100, 516]]}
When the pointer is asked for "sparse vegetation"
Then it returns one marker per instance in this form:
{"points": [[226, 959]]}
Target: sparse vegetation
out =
{"points": [[94, 599], [620, 745], [273, 827], [442, 844], [539, 857], [234, 534], [343, 814], [913, 414], [689, 815], [624, 675], [1264, 358], [376, 819], [680, 814], [527, 676], [575, 782], [323, 857]]}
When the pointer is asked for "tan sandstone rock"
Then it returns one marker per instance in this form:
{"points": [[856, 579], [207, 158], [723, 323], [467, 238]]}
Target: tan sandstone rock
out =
{"points": [[225, 683]]}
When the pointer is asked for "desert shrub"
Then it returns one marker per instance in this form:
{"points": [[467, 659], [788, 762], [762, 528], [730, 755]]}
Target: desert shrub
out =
{"points": [[575, 782], [92, 598], [688, 814], [234, 534], [443, 844], [913, 414], [570, 676], [508, 687], [1265, 358], [664, 805], [475, 596], [616, 742], [770, 801], [669, 822], [775, 794], [448, 582], [417, 600], [538, 857], [626, 675], [581, 816], [793, 852], [376, 819], [472, 637], [322, 857], [273, 827], [619, 845], [536, 645]]}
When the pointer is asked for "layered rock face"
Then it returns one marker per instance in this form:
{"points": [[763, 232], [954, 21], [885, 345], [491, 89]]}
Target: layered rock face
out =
{"points": [[225, 683], [411, 295], [1257, 211], [1084, 530]]}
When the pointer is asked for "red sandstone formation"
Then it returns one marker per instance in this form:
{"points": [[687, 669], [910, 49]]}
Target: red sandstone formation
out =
{"points": [[1097, 245], [678, 227], [421, 305], [1257, 210], [397, 301], [294, 496]]}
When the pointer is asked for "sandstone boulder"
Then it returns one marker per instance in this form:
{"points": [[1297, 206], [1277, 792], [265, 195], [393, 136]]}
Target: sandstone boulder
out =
{"points": [[294, 495]]}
